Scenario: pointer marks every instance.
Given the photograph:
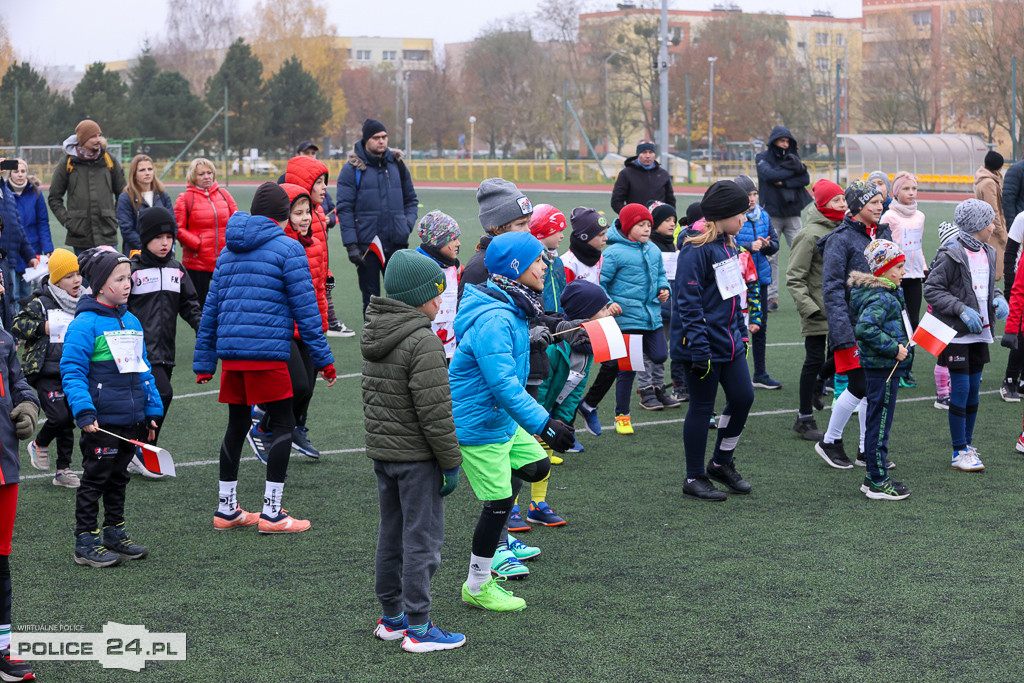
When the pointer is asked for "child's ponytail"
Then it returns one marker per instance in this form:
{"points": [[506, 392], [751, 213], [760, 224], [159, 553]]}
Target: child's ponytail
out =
{"points": [[709, 234]]}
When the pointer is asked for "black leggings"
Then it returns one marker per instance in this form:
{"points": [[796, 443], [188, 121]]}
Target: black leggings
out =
{"points": [[495, 514], [303, 376], [201, 279], [814, 365], [912, 294], [282, 422], [857, 382], [162, 376]]}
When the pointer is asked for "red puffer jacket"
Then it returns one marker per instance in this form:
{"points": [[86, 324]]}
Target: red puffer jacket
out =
{"points": [[316, 253], [303, 171], [202, 216]]}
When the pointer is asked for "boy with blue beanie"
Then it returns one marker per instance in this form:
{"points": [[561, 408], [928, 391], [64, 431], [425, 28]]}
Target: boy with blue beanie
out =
{"points": [[495, 417]]}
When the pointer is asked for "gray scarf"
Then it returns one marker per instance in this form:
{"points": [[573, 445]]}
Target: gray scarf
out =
{"points": [[969, 241], [66, 302]]}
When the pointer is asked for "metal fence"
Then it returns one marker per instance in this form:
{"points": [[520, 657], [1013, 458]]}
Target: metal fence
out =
{"points": [[42, 159]]}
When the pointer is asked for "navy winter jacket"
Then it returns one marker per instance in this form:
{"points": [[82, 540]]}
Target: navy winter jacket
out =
{"points": [[128, 218], [842, 253], [776, 165], [750, 231], [35, 219], [704, 325], [13, 240], [1013, 191], [383, 205], [489, 370], [93, 386], [261, 290]]}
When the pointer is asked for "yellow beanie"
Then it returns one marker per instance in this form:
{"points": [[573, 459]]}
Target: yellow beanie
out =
{"points": [[62, 263]]}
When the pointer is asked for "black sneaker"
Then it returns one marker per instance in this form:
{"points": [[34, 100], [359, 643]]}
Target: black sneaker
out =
{"points": [[90, 551], [727, 474], [701, 488], [115, 539], [666, 398], [773, 306], [14, 669], [833, 454], [807, 428], [301, 443], [818, 400], [887, 490], [765, 382], [681, 393], [649, 400], [1008, 391], [861, 461]]}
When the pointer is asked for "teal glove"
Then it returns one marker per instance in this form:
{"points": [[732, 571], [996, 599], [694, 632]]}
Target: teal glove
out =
{"points": [[1002, 309], [972, 319], [449, 481]]}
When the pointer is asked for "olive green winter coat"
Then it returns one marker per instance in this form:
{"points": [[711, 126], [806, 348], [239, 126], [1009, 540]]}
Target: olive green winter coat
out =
{"points": [[803, 275], [407, 403], [92, 187]]}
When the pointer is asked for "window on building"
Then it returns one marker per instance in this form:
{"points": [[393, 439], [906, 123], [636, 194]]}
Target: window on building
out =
{"points": [[416, 55], [781, 63], [362, 55], [389, 55], [951, 17], [822, 63], [974, 111], [976, 15], [922, 18], [839, 39], [801, 45], [821, 39], [821, 89]]}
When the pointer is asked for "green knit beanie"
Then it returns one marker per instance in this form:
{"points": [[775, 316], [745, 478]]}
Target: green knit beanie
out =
{"points": [[413, 278]]}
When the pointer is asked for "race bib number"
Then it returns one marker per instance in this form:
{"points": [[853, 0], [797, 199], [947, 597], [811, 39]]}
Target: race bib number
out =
{"points": [[670, 259], [126, 346], [59, 321], [907, 325], [729, 278]]}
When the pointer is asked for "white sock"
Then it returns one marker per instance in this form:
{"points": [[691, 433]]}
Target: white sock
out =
{"points": [[228, 502], [842, 409], [479, 572], [272, 499], [862, 415], [5, 636]]}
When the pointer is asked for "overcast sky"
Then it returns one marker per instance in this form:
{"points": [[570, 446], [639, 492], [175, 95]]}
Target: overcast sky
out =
{"points": [[79, 32]]}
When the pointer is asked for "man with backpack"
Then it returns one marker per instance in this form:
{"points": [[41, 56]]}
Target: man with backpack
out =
{"points": [[377, 206], [92, 179]]}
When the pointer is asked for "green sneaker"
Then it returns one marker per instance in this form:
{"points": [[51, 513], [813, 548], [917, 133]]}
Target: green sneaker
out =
{"points": [[521, 550], [493, 597], [506, 565]]}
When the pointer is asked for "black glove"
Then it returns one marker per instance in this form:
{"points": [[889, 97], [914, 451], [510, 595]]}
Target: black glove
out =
{"points": [[329, 284], [701, 368], [540, 338], [558, 435], [355, 255], [1010, 341]]}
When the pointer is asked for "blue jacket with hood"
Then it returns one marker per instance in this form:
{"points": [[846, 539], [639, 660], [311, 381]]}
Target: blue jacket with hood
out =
{"points": [[750, 231], [95, 389], [489, 370], [261, 290], [632, 273], [782, 166]]}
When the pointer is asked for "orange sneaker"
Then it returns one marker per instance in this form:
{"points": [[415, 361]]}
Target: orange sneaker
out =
{"points": [[283, 524], [623, 425], [239, 518]]}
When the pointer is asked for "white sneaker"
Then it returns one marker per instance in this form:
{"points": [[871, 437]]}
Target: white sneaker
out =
{"points": [[1020, 443], [136, 467], [67, 479], [966, 461], [342, 330], [39, 456]]}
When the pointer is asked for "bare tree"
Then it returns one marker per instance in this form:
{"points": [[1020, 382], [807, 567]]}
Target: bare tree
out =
{"points": [[198, 33]]}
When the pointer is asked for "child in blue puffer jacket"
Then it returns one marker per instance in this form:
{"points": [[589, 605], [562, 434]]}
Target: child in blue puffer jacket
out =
{"points": [[634, 277], [109, 386], [260, 292], [759, 238], [708, 333]]}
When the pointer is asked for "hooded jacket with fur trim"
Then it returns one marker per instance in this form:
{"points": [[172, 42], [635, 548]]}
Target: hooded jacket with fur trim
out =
{"points": [[381, 204], [878, 307]]}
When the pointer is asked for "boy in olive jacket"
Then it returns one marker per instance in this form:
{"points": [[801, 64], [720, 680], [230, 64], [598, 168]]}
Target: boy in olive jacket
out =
{"points": [[410, 436]]}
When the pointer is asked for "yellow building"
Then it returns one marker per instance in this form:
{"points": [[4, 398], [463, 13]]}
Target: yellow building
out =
{"points": [[404, 54]]}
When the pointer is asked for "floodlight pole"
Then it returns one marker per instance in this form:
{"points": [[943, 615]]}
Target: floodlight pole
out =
{"points": [[663, 84], [1013, 104], [835, 150], [227, 177]]}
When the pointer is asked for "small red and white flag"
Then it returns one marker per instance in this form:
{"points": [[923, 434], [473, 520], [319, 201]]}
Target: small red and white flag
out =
{"points": [[633, 361], [156, 459], [377, 248], [933, 335], [606, 339]]}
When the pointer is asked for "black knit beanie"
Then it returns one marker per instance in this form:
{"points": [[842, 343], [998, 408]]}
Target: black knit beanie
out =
{"points": [[724, 200], [370, 128], [271, 201], [155, 222]]}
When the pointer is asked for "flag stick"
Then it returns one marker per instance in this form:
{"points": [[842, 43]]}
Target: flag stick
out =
{"points": [[131, 441], [891, 372], [567, 331]]}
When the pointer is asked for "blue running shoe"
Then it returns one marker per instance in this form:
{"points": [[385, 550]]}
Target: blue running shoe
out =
{"points": [[593, 424], [391, 630], [577, 447], [436, 639], [515, 521], [259, 441], [541, 513]]}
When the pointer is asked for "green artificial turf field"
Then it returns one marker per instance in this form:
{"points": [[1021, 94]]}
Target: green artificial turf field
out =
{"points": [[805, 579]]}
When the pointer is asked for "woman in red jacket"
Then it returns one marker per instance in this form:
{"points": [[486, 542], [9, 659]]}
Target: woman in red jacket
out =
{"points": [[202, 213]]}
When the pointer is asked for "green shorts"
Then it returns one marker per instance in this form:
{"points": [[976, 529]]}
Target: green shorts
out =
{"points": [[489, 466]]}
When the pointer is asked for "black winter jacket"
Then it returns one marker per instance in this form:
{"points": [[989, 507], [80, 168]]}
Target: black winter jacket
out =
{"points": [[160, 293], [1013, 191], [638, 185], [14, 389], [41, 356], [783, 166], [475, 272]]}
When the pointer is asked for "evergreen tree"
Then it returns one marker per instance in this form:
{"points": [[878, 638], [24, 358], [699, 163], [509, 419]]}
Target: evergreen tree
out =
{"points": [[297, 106], [44, 117], [102, 96], [242, 73]]}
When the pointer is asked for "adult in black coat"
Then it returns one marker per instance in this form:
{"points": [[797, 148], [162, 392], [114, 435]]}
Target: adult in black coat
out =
{"points": [[782, 181], [642, 180]]}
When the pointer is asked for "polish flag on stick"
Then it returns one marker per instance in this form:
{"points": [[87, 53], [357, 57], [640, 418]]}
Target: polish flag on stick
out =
{"points": [[633, 361], [606, 339], [154, 458], [377, 248], [933, 335]]}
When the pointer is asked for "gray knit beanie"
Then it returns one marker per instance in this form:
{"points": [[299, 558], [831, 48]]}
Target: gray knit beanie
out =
{"points": [[413, 278], [973, 215], [876, 175], [746, 183], [501, 202]]}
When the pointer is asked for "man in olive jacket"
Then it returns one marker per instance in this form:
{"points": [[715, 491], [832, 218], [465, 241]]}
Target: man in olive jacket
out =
{"points": [[410, 436], [92, 179]]}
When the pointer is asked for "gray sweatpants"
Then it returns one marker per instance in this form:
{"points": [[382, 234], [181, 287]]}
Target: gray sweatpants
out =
{"points": [[789, 228], [410, 536]]}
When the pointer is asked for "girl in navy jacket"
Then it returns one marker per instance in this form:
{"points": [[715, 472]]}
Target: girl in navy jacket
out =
{"points": [[709, 336]]}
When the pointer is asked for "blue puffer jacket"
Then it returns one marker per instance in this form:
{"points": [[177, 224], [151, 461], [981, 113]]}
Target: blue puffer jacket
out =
{"points": [[632, 274], [705, 326], [383, 205], [489, 370], [35, 219], [554, 283], [750, 231], [842, 252], [261, 290], [94, 387], [12, 239], [128, 218]]}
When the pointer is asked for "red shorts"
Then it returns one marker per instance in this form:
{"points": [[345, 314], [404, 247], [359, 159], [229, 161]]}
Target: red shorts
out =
{"points": [[847, 359], [265, 383], [8, 506]]}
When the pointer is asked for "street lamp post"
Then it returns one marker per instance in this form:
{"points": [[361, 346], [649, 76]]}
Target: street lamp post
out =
{"points": [[607, 105], [472, 145], [408, 138], [711, 114]]}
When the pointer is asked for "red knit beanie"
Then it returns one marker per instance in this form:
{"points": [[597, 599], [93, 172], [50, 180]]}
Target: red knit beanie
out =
{"points": [[632, 214], [824, 191], [546, 221]]}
